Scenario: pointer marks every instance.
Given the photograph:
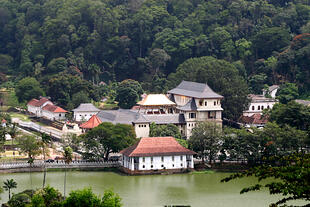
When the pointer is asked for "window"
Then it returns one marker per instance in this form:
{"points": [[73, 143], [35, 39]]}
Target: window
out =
{"points": [[144, 125], [268, 107], [181, 165], [253, 108], [200, 102], [59, 115], [258, 108], [162, 166], [217, 102], [262, 107], [206, 103], [162, 158], [189, 125], [181, 157], [151, 159], [172, 165], [143, 166], [192, 115], [172, 158], [151, 166], [143, 159], [214, 103]]}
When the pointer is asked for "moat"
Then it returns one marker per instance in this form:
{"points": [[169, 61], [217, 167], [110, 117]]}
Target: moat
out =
{"points": [[152, 190]]}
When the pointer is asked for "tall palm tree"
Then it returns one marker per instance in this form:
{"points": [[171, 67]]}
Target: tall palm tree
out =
{"points": [[8, 185], [68, 159], [45, 140]]}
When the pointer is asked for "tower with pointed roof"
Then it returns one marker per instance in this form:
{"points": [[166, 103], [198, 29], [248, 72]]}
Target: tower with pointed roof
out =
{"points": [[197, 102]]}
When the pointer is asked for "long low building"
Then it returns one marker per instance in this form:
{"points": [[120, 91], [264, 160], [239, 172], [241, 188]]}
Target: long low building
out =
{"points": [[157, 155]]}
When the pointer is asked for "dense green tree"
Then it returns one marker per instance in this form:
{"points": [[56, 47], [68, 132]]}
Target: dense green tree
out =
{"points": [[293, 114], [46, 197], [221, 76], [21, 199], [206, 140], [27, 89], [106, 138], [9, 185], [164, 130], [57, 65], [62, 88], [80, 97], [289, 178], [128, 93], [29, 144], [287, 92]]}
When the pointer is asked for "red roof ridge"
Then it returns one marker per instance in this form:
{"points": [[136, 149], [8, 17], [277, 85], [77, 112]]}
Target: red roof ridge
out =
{"points": [[156, 146], [91, 123], [53, 108]]}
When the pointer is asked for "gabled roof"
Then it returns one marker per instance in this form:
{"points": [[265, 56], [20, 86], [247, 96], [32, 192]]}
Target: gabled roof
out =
{"points": [[257, 119], [166, 118], [121, 116], [260, 98], [86, 107], [53, 108], [156, 100], [38, 103], [33, 102], [156, 146], [91, 123], [190, 106], [196, 90]]}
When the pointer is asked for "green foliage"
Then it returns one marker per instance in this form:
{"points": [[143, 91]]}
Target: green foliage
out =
{"points": [[27, 89], [221, 76], [205, 139], [50, 197], [128, 93], [287, 92], [164, 130], [8, 185], [46, 197], [293, 114], [107, 138], [290, 177], [64, 88], [78, 98], [29, 144]]}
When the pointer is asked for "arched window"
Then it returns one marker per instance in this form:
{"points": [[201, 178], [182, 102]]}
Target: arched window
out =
{"points": [[262, 107], [258, 107], [253, 108]]}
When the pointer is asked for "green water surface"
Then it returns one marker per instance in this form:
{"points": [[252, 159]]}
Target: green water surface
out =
{"points": [[153, 190]]}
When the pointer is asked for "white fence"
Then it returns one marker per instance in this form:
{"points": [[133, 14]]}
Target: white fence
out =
{"points": [[58, 164], [39, 128]]}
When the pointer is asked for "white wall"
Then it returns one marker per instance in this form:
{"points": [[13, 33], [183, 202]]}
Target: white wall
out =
{"points": [[53, 116], [181, 100], [208, 104], [257, 108], [33, 109], [158, 164], [84, 116], [142, 130]]}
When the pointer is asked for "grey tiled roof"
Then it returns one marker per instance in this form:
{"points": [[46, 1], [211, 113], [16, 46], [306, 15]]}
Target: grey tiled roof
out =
{"points": [[86, 107], [166, 118], [121, 116], [127, 116], [196, 90], [190, 106]]}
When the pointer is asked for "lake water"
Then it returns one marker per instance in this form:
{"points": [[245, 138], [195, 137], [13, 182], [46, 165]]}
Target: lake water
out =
{"points": [[153, 190]]}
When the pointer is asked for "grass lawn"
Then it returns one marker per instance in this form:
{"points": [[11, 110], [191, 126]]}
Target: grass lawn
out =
{"points": [[20, 116], [107, 106]]}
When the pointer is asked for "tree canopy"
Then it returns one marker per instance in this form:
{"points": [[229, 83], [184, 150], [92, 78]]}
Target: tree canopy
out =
{"points": [[100, 141]]}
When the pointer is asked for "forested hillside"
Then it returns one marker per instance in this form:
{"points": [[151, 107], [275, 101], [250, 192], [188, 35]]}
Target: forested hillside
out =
{"points": [[70, 46]]}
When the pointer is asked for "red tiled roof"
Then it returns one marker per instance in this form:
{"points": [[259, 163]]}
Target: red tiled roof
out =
{"points": [[91, 123], [38, 103], [254, 119], [156, 146], [53, 108], [33, 102]]}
